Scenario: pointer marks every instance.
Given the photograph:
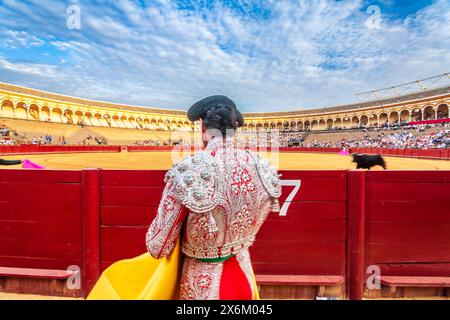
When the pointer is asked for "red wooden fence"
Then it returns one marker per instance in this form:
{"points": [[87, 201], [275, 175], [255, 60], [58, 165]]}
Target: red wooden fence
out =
{"points": [[339, 222], [41, 218], [407, 222], [438, 154]]}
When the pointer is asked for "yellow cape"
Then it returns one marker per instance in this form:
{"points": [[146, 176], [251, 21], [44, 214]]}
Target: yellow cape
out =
{"points": [[142, 278]]}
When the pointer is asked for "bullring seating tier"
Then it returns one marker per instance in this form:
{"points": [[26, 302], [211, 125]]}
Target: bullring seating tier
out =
{"points": [[337, 136], [75, 134]]}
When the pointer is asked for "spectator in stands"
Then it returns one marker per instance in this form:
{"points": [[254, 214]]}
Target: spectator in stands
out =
{"points": [[4, 132]]}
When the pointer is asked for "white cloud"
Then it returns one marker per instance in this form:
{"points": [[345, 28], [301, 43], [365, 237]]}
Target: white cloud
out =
{"points": [[19, 39], [29, 69], [306, 54]]}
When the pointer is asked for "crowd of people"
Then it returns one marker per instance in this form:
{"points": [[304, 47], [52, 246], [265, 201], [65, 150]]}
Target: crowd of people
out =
{"points": [[406, 137], [425, 136], [5, 138], [4, 132]]}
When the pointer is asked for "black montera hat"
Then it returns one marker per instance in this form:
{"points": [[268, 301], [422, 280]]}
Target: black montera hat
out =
{"points": [[198, 110]]}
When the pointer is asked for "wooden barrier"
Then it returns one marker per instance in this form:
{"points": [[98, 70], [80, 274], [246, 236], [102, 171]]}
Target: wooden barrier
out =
{"points": [[438, 154], [40, 226], [337, 225], [407, 227]]}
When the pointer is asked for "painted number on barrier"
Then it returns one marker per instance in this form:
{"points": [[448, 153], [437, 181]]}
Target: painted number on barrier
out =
{"points": [[289, 183]]}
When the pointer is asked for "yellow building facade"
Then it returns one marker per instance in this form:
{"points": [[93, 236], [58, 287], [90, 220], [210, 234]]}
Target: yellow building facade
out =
{"points": [[35, 105]]}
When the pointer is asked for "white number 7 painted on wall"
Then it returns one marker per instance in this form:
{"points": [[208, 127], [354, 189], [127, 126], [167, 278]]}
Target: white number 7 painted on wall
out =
{"points": [[289, 183]]}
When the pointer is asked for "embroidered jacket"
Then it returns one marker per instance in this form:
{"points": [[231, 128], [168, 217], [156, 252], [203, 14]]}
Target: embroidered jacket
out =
{"points": [[222, 196]]}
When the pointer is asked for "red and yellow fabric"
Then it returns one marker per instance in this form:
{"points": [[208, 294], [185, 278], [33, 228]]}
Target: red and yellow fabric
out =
{"points": [[147, 278]]}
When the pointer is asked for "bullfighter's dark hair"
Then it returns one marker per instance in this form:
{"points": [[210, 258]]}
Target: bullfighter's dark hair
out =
{"points": [[222, 118]]}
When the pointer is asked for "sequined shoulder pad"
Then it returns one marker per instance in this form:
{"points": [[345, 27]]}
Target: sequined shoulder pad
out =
{"points": [[197, 182], [268, 175]]}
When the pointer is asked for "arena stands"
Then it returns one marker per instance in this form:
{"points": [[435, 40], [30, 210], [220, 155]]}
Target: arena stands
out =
{"points": [[394, 137], [32, 132], [36, 117]]}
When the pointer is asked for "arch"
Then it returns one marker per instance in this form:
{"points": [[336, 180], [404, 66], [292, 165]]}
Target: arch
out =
{"points": [[146, 123], [394, 117], [314, 125], [124, 122], [443, 111], [160, 124], [354, 122], [279, 126], [383, 119], [172, 125], [307, 125], [88, 119], [106, 120], [330, 123], [364, 121], [68, 116], [416, 114], [293, 126], [166, 125], [322, 124], [373, 120], [152, 124], [139, 123], [132, 122], [115, 121], [338, 123], [34, 112], [78, 117], [45, 113], [95, 119], [56, 115], [346, 123], [405, 116], [7, 109], [300, 125], [429, 113], [21, 111]]}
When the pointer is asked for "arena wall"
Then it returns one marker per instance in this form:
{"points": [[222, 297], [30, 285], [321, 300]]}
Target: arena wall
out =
{"points": [[437, 154], [338, 223]]}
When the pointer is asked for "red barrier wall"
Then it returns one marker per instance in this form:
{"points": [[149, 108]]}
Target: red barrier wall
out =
{"points": [[41, 217], [407, 223], [400, 222], [311, 238], [438, 154], [338, 223], [129, 201]]}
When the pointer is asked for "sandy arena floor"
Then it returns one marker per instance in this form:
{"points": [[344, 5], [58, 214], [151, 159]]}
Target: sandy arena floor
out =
{"points": [[163, 161]]}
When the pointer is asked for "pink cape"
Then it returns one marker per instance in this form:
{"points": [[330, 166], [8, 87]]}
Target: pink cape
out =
{"points": [[344, 152], [27, 164]]}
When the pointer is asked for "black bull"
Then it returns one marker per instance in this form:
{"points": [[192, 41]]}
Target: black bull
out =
{"points": [[364, 161]]}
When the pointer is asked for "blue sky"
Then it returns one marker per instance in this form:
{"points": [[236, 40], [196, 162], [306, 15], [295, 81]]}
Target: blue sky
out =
{"points": [[266, 55]]}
